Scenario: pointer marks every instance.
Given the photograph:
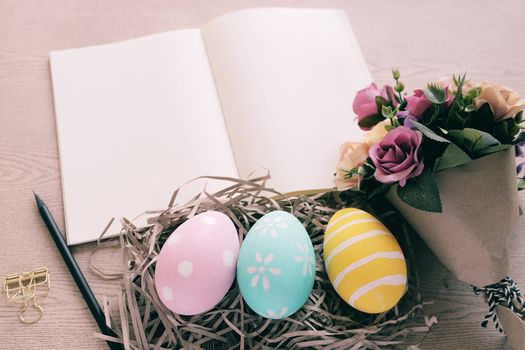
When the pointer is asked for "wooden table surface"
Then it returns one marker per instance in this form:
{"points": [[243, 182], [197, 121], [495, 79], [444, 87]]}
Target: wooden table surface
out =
{"points": [[425, 40]]}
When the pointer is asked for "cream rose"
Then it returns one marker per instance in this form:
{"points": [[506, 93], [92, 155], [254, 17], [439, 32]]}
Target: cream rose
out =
{"points": [[352, 155], [504, 102], [377, 133]]}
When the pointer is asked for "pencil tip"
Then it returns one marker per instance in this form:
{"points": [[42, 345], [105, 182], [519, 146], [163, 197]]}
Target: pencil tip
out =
{"points": [[37, 198]]}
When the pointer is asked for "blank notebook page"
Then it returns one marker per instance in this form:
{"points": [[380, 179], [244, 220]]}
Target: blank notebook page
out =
{"points": [[286, 80], [131, 118]]}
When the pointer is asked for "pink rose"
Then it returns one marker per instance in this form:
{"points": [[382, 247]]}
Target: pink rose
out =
{"points": [[396, 157], [365, 105], [418, 103]]}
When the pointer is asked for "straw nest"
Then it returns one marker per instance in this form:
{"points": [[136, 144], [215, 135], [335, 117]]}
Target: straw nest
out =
{"points": [[325, 321]]}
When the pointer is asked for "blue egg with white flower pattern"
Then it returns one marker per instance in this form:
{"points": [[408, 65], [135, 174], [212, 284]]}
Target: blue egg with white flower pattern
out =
{"points": [[276, 265]]}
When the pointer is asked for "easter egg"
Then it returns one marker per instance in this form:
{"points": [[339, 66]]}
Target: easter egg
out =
{"points": [[364, 261], [276, 267], [196, 266]]}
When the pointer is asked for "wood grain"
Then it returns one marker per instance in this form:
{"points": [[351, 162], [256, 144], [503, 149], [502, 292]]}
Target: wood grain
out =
{"points": [[425, 40]]}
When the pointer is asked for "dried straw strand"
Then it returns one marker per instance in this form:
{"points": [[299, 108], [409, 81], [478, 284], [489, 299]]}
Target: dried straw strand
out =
{"points": [[325, 322]]}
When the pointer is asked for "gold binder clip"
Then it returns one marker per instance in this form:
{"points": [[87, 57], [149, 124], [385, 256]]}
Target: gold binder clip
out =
{"points": [[23, 288]]}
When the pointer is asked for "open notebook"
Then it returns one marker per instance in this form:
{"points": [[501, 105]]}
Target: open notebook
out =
{"points": [[259, 88]]}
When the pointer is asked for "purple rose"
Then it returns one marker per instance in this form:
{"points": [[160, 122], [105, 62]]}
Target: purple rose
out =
{"points": [[418, 103], [365, 106], [396, 157]]}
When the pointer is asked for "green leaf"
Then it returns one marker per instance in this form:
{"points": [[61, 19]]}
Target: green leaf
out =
{"points": [[459, 81], [518, 118], [435, 93], [350, 173], [455, 119], [485, 141], [473, 141], [511, 131], [474, 93], [470, 108], [381, 101], [515, 129], [503, 131], [494, 149], [428, 132], [460, 103], [470, 138], [483, 118], [452, 157], [520, 138], [378, 190], [421, 193], [386, 111], [370, 121]]}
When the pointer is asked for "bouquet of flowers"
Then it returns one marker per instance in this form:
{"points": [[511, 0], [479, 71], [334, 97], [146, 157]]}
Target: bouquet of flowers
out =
{"points": [[444, 157]]}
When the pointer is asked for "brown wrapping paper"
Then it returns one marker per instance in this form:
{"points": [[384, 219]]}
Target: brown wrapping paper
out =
{"points": [[471, 236], [480, 211], [514, 327]]}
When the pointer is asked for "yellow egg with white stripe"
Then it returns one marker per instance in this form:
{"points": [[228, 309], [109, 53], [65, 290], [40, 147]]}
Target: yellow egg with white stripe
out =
{"points": [[364, 261]]}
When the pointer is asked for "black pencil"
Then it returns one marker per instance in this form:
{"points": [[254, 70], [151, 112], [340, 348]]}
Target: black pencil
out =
{"points": [[79, 278]]}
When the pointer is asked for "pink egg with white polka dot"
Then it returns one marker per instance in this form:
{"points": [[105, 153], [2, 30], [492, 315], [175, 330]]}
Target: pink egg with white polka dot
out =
{"points": [[197, 264]]}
